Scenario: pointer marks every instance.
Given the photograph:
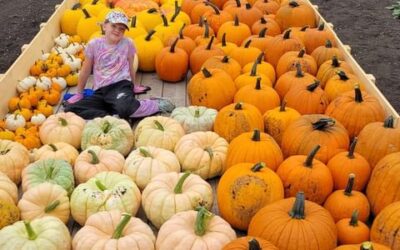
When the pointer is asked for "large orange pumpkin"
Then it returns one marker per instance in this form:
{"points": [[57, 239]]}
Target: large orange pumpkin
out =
{"points": [[302, 135], [248, 242], [325, 52], [304, 173], [236, 32], [288, 62], [229, 65], [244, 189], [254, 147], [294, 223], [184, 42], [386, 225], [201, 53], [237, 118], [341, 83], [296, 13]]}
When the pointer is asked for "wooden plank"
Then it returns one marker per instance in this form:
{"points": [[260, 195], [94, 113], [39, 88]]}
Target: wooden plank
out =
{"points": [[176, 92], [154, 82]]}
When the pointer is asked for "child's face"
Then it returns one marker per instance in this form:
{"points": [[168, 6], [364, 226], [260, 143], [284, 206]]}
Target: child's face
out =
{"points": [[114, 32]]}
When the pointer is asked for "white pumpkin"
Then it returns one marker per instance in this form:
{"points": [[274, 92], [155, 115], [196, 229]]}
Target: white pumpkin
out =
{"points": [[8, 189], [73, 48], [144, 163], [202, 153], [44, 56], [15, 121], [195, 118], [38, 119], [58, 150], [73, 62], [158, 131], [62, 40], [26, 83], [60, 81], [171, 193], [43, 82]]}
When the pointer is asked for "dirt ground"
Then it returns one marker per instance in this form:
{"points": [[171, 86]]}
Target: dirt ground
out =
{"points": [[366, 26]]}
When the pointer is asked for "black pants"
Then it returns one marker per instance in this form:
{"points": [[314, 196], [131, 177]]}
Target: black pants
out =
{"points": [[117, 98]]}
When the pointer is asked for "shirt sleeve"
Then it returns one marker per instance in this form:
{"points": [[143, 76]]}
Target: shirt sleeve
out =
{"points": [[131, 48], [90, 48]]}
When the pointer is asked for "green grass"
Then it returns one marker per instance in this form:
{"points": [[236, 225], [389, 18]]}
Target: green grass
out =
{"points": [[395, 9]]}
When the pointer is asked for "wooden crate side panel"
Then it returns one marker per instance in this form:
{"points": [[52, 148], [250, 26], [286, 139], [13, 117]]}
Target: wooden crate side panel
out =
{"points": [[43, 41]]}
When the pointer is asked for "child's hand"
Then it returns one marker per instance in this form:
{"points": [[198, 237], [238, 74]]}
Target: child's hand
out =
{"points": [[75, 98]]}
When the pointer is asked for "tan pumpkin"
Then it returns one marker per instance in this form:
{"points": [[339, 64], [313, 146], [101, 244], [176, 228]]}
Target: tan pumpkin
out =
{"points": [[14, 157], [45, 199], [116, 230], [9, 214], [351, 230], [349, 201], [62, 127], [202, 153], [158, 131], [144, 163], [378, 139], [244, 189], [385, 226], [254, 147], [236, 119], [170, 193], [194, 230], [288, 61], [278, 119], [8, 189], [94, 160], [329, 69], [248, 242], [58, 150], [300, 137]]}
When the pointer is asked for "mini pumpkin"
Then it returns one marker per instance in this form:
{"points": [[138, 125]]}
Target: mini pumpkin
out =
{"points": [[341, 83], [288, 62]]}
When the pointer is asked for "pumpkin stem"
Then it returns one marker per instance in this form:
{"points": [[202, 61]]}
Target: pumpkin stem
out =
{"points": [[53, 205], [239, 106], [328, 44], [304, 28], [197, 113], [299, 71], [248, 6], [247, 44], [350, 184], [225, 59], [164, 19], [94, 2], [323, 123], [149, 35], [313, 86], [293, 4], [215, 8], [358, 95], [206, 73], [176, 14], [236, 22], [263, 32], [53, 147], [152, 10], [254, 245], [297, 211], [321, 26], [354, 218], [106, 127], [238, 3], [311, 156], [258, 166], [209, 151], [352, 147], [133, 22], [76, 6], [343, 75], [100, 185], [203, 216], [201, 21], [172, 49], [158, 125], [223, 40], [209, 45], [256, 135], [95, 159], [63, 121], [86, 13], [145, 153], [286, 35], [260, 58], [389, 122], [262, 20], [181, 31], [335, 62], [366, 246], [206, 30], [301, 53], [121, 225], [283, 106], [253, 71], [258, 83], [31, 234], [179, 184]]}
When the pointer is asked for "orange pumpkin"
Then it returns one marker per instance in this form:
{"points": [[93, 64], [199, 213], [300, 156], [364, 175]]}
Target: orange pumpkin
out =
{"points": [[341, 83], [288, 62], [229, 65], [188, 5], [282, 221], [237, 118], [329, 69], [132, 7], [325, 52], [32, 98], [342, 203], [201, 54], [315, 37], [199, 10], [248, 242], [265, 22], [267, 6], [245, 54], [244, 189], [249, 78], [296, 13], [52, 96], [254, 147], [300, 137], [299, 32], [258, 41], [28, 139], [262, 67], [15, 102], [205, 89], [227, 47], [205, 37], [184, 42], [246, 13], [236, 32], [364, 246], [386, 225], [194, 30], [217, 17], [351, 230]]}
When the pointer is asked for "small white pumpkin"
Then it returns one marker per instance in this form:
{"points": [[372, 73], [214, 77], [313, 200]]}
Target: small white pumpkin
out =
{"points": [[62, 40], [202, 153], [43, 82], [14, 121], [73, 48], [73, 62], [38, 118], [158, 131], [171, 193], [26, 83], [195, 118], [60, 81], [44, 56], [144, 163]]}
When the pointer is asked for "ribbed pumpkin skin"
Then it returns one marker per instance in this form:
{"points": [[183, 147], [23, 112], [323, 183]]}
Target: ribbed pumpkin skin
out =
{"points": [[288, 15], [263, 97], [337, 85], [14, 157], [246, 149], [349, 234], [242, 191], [290, 79], [8, 189], [376, 246], [383, 187], [329, 68], [386, 225], [242, 243], [300, 138], [273, 223], [231, 122]]}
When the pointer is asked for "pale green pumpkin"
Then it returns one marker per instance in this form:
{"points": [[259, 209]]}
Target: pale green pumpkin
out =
{"points": [[106, 191], [48, 233], [50, 170], [109, 133]]}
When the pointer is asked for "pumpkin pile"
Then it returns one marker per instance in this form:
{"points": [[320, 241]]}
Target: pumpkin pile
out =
{"points": [[305, 157]]}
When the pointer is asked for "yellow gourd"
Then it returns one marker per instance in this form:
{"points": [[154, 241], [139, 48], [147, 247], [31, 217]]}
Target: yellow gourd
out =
{"points": [[70, 19], [87, 26]]}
